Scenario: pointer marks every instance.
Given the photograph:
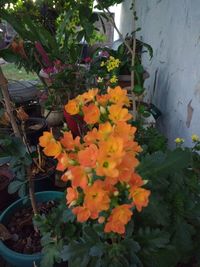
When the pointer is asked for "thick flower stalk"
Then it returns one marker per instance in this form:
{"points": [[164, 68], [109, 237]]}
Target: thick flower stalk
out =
{"points": [[100, 166]]}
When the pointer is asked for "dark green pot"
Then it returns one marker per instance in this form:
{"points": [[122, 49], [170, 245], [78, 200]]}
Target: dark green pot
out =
{"points": [[12, 257]]}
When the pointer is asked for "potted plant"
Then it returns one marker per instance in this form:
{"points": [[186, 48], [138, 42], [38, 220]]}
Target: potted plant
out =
{"points": [[100, 165]]}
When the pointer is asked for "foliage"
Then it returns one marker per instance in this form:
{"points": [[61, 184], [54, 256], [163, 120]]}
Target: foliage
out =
{"points": [[173, 212], [151, 140], [107, 64], [13, 152]]}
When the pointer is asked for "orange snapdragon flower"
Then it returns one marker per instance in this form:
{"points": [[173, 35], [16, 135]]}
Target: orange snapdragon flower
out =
{"points": [[140, 197], [119, 217], [117, 113], [96, 198], [52, 148], [118, 95], [91, 114], [88, 156]]}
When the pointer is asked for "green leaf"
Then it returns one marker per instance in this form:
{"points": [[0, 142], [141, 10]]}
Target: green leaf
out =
{"points": [[138, 89], [164, 163], [14, 186]]}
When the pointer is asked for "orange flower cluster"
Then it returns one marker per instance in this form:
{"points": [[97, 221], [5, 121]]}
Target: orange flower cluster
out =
{"points": [[101, 165]]}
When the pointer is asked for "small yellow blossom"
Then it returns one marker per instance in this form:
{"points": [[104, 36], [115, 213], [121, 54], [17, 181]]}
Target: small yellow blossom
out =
{"points": [[102, 64], [114, 79], [179, 140], [195, 138]]}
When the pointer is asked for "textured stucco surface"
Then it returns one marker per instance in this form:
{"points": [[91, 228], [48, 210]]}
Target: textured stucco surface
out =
{"points": [[172, 28]]}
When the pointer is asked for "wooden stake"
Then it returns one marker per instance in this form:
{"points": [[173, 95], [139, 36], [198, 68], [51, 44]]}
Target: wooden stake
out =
{"points": [[9, 109]]}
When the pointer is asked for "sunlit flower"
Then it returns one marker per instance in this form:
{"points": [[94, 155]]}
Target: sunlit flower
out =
{"points": [[140, 197], [91, 114], [195, 138], [179, 140]]}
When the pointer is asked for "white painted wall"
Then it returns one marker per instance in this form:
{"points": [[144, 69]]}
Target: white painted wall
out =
{"points": [[172, 28]]}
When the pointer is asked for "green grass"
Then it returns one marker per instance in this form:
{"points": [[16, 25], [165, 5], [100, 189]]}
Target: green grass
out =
{"points": [[12, 73]]}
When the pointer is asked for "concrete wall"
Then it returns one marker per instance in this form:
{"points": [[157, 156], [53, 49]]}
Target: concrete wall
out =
{"points": [[172, 28]]}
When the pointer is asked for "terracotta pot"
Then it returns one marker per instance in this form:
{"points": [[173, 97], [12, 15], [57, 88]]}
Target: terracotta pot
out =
{"points": [[54, 117], [75, 123]]}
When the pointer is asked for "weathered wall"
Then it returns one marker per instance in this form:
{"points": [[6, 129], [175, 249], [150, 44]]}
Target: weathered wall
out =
{"points": [[172, 28]]}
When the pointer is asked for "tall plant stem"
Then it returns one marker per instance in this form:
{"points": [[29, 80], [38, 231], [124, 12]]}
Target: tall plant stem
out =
{"points": [[9, 109], [32, 192]]}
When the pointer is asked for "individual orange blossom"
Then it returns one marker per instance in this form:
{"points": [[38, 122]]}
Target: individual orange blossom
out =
{"points": [[63, 162], [119, 217], [88, 156], [79, 177], [124, 130], [118, 96], [69, 142], [72, 195], [72, 107], [113, 147], [140, 197], [45, 139], [117, 113], [126, 167], [103, 99], [91, 114], [104, 131], [82, 213], [91, 136], [110, 181], [52, 148], [106, 166], [132, 147], [136, 180], [96, 198], [90, 95]]}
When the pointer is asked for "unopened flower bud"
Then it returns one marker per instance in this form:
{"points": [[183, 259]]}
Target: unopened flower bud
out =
{"points": [[127, 186], [116, 193], [73, 203], [101, 219], [102, 110]]}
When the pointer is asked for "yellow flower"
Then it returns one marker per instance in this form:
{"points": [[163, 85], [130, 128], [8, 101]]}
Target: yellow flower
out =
{"points": [[102, 64], [195, 138], [179, 140], [114, 79]]}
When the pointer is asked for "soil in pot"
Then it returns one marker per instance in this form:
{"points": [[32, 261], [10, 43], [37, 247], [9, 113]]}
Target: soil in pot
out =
{"points": [[25, 239]]}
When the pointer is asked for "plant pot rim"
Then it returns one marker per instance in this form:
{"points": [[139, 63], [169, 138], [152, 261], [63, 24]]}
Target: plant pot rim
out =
{"points": [[3, 247]]}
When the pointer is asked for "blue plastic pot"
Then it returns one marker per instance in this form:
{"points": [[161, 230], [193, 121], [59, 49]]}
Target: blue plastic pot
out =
{"points": [[14, 258]]}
